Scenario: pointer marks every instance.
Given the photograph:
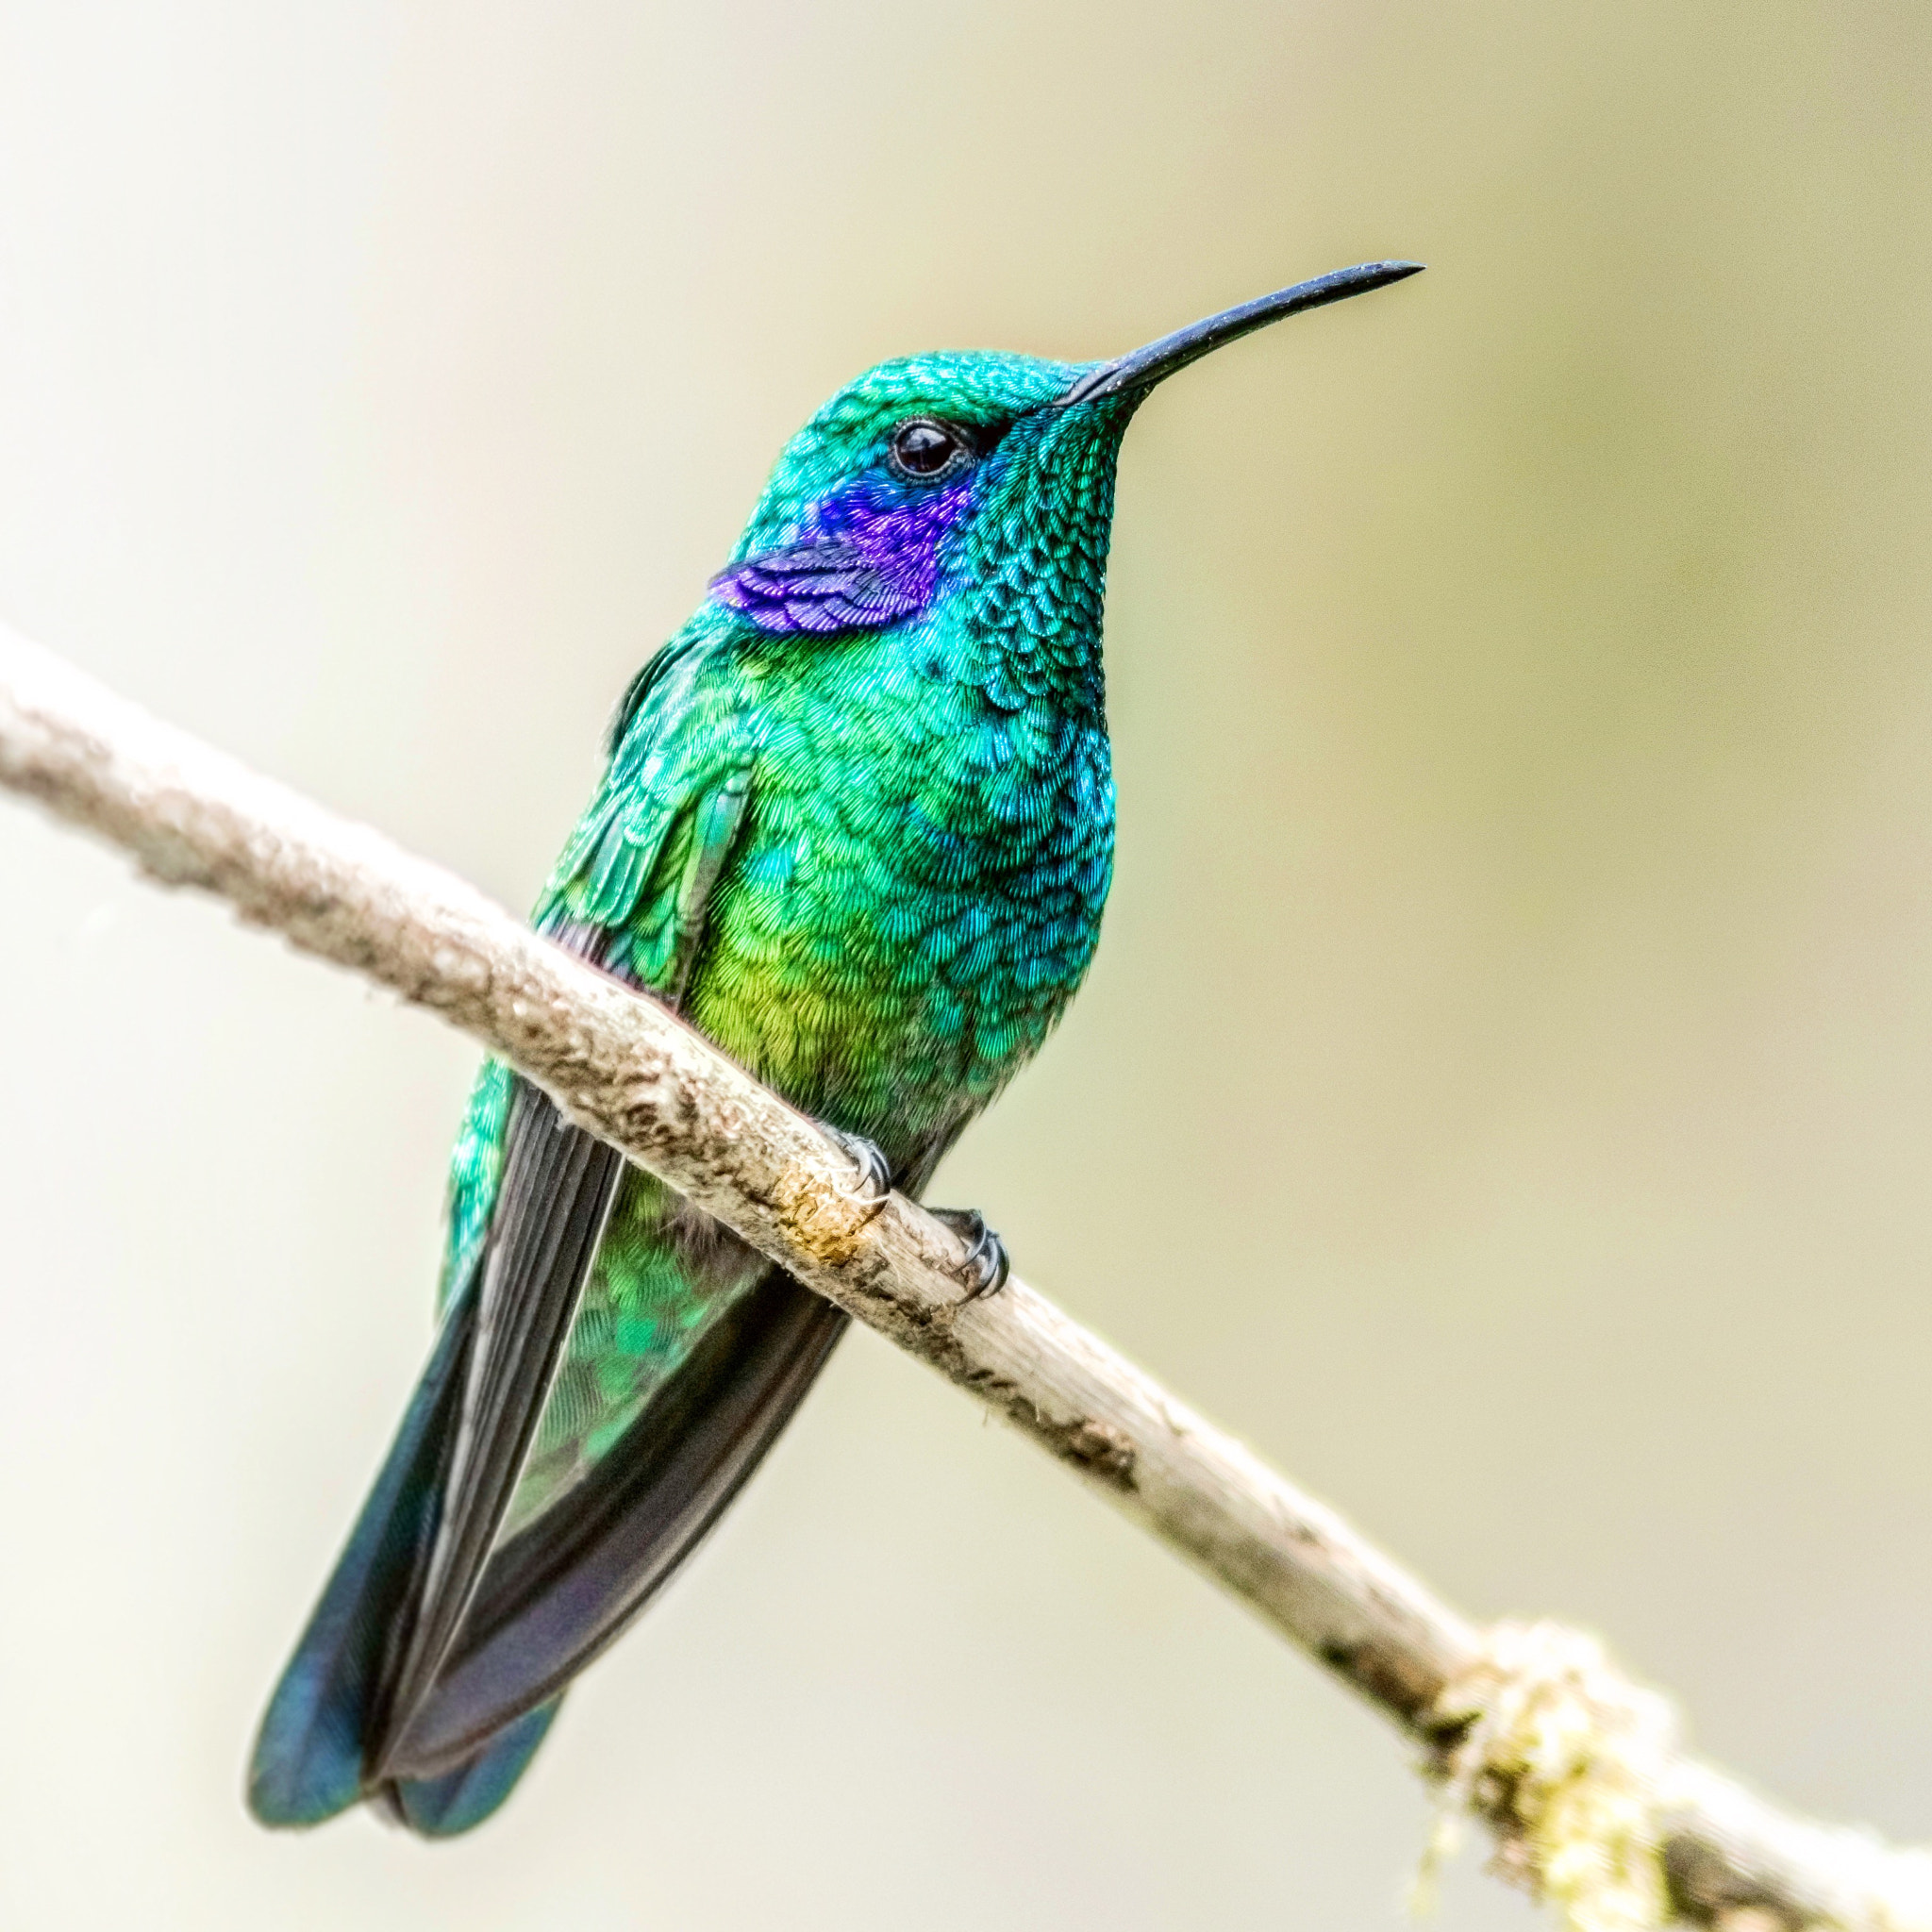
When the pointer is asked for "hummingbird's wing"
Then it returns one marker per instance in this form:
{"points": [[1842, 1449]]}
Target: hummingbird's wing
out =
{"points": [[631, 895], [643, 1445], [421, 1537], [403, 1615], [558, 1184], [561, 1590]]}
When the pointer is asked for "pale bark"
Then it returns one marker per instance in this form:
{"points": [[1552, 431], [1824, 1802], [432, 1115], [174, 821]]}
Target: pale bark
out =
{"points": [[640, 1078]]}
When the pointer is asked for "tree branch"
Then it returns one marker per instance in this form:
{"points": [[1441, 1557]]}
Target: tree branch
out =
{"points": [[1573, 1770]]}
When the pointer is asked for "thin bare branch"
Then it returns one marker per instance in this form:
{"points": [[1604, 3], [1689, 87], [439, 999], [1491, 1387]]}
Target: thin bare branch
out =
{"points": [[1536, 1737]]}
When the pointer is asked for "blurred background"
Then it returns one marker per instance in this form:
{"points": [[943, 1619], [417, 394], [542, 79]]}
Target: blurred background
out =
{"points": [[1505, 1091]]}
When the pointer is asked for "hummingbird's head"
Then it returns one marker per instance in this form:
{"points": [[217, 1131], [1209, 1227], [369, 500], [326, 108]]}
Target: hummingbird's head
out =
{"points": [[973, 491]]}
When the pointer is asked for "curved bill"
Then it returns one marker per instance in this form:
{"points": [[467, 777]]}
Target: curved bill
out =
{"points": [[1144, 367]]}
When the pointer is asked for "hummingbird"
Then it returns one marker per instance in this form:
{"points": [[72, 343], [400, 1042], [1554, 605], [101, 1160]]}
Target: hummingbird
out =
{"points": [[856, 823]]}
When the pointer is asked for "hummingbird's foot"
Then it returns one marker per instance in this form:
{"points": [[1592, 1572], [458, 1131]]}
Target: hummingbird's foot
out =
{"points": [[874, 1180], [985, 1266]]}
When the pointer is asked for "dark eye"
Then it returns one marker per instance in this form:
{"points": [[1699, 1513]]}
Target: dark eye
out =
{"points": [[924, 449]]}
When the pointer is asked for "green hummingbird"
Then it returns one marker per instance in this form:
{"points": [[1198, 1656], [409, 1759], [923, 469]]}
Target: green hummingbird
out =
{"points": [[857, 825]]}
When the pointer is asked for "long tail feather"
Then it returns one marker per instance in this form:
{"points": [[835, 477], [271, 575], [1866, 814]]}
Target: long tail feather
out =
{"points": [[461, 1799], [310, 1753]]}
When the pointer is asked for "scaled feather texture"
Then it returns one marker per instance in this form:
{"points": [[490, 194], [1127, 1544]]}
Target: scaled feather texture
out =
{"points": [[857, 823]]}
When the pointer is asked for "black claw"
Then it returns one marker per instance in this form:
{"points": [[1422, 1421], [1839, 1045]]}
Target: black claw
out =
{"points": [[874, 1176], [985, 1266]]}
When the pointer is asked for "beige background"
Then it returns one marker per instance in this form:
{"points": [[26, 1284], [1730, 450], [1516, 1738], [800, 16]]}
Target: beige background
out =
{"points": [[1505, 1094]]}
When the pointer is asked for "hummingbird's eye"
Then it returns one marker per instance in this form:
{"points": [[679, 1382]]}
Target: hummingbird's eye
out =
{"points": [[924, 449]]}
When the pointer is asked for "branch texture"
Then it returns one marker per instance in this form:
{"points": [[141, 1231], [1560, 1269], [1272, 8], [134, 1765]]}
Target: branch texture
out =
{"points": [[1573, 1770]]}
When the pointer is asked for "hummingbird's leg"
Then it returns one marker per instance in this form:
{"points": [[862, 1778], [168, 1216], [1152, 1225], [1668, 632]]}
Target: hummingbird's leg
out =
{"points": [[986, 1267], [874, 1180]]}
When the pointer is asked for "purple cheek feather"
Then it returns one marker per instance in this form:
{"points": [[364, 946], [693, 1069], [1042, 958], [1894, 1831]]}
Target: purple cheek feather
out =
{"points": [[864, 559]]}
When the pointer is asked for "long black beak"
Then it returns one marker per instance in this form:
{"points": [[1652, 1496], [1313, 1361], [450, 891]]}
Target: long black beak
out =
{"points": [[1144, 367]]}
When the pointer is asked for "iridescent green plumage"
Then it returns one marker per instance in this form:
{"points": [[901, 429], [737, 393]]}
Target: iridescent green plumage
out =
{"points": [[923, 847], [857, 823]]}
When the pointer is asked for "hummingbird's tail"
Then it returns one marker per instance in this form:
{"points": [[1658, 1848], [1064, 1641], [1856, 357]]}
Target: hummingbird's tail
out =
{"points": [[460, 1799], [311, 1751]]}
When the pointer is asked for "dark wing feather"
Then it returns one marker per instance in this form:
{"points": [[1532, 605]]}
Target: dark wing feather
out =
{"points": [[558, 1187], [562, 1590], [556, 1594]]}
